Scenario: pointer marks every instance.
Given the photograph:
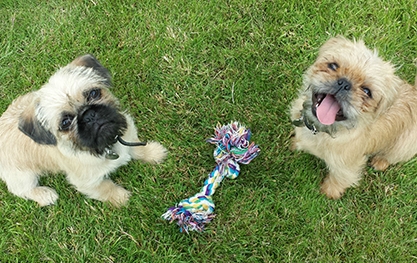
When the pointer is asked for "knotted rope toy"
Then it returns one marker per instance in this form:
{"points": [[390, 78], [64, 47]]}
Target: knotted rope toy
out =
{"points": [[233, 148]]}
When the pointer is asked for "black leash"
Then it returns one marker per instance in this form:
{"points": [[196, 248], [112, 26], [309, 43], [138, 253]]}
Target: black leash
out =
{"points": [[130, 143]]}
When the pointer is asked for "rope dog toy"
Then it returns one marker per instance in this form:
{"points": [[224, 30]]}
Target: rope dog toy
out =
{"points": [[233, 147]]}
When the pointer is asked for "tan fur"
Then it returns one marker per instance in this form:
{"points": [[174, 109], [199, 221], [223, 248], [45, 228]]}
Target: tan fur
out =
{"points": [[22, 160], [383, 127]]}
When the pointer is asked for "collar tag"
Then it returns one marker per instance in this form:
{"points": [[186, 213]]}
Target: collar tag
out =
{"points": [[110, 154]]}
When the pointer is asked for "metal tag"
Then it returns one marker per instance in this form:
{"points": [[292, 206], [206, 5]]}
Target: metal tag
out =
{"points": [[110, 154]]}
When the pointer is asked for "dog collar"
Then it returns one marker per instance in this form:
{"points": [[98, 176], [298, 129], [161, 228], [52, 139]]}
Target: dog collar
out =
{"points": [[112, 155], [303, 121]]}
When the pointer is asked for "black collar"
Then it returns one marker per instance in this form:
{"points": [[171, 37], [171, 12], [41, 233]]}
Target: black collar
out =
{"points": [[112, 155]]}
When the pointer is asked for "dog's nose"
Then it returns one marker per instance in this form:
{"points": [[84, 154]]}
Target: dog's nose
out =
{"points": [[343, 83], [89, 115]]}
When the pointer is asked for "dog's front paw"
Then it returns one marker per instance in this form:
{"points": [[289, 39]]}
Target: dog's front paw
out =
{"points": [[331, 188], [43, 195], [157, 153], [153, 152]]}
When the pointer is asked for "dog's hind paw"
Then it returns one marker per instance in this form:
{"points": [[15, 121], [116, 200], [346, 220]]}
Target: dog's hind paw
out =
{"points": [[379, 163], [43, 195]]}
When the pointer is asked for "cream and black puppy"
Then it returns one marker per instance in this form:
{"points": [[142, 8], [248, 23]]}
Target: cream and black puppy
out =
{"points": [[353, 107], [73, 125]]}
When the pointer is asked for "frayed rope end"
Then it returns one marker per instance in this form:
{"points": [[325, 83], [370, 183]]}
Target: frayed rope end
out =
{"points": [[186, 220]]}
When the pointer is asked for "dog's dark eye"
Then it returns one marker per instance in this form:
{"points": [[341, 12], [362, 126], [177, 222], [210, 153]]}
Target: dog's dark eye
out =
{"points": [[94, 94], [66, 122], [367, 91], [333, 66]]}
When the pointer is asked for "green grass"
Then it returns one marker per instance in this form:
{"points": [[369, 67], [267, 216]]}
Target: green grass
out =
{"points": [[181, 67]]}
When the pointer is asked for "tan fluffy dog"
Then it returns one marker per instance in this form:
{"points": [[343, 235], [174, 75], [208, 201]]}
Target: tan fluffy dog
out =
{"points": [[73, 125], [353, 107]]}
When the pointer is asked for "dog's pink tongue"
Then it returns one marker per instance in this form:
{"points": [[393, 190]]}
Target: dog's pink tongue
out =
{"points": [[327, 110]]}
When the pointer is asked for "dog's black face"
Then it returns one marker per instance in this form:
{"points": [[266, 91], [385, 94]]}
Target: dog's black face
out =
{"points": [[98, 127], [75, 110]]}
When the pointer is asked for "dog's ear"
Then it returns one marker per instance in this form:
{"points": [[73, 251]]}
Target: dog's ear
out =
{"points": [[90, 61], [33, 128]]}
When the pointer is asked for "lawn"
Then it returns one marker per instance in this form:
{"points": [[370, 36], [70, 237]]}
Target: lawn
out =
{"points": [[181, 67]]}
